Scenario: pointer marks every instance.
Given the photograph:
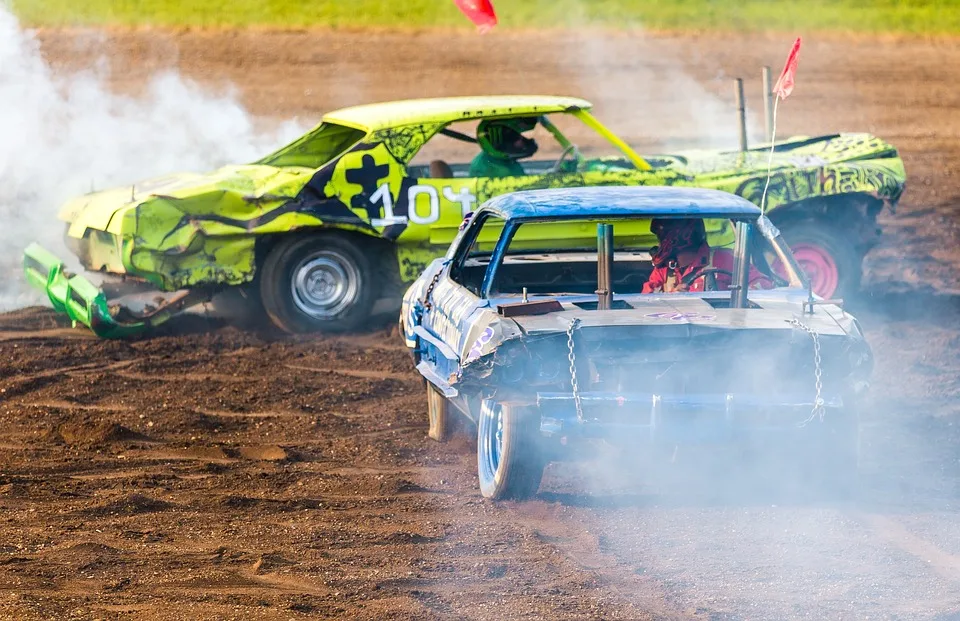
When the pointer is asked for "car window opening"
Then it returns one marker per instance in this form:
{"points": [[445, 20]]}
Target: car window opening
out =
{"points": [[315, 148], [561, 258], [511, 147]]}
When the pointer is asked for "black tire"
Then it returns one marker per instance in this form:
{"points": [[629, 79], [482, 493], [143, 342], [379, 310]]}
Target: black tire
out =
{"points": [[438, 412], [319, 283], [810, 238], [511, 465]]}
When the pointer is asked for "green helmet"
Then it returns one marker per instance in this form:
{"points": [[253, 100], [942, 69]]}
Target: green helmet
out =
{"points": [[504, 139]]}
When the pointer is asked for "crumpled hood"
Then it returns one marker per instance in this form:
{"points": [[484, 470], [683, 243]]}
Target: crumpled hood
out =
{"points": [[101, 210]]}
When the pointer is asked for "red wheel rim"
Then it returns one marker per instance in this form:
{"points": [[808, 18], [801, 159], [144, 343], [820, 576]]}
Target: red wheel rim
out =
{"points": [[819, 267]]}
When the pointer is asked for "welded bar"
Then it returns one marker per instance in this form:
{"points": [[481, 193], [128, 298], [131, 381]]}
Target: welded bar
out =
{"points": [[741, 269], [604, 266], [742, 113], [768, 102]]}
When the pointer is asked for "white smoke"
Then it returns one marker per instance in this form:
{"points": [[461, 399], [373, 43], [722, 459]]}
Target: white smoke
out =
{"points": [[652, 89], [63, 134]]}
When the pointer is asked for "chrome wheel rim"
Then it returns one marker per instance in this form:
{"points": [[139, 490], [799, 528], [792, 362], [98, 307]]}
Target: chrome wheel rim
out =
{"points": [[493, 441], [325, 284]]}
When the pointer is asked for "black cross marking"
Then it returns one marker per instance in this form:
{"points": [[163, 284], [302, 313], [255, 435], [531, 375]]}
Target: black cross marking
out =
{"points": [[368, 177]]}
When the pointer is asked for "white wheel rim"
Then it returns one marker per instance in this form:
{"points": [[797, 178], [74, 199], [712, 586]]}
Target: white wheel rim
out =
{"points": [[324, 284]]}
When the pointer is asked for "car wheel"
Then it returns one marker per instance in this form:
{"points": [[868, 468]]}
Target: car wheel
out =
{"points": [[320, 283], [438, 411], [510, 458], [832, 264]]}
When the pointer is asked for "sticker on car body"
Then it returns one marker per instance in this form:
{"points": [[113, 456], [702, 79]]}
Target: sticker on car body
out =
{"points": [[676, 316], [482, 340]]}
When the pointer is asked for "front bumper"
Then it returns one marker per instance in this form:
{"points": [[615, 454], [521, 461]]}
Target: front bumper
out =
{"points": [[683, 419], [85, 303]]}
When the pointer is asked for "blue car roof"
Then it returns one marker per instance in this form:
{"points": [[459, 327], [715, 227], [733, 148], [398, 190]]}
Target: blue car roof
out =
{"points": [[620, 201]]}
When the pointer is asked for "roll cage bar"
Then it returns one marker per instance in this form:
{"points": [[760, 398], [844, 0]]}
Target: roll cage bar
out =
{"points": [[542, 120], [584, 116], [745, 249]]}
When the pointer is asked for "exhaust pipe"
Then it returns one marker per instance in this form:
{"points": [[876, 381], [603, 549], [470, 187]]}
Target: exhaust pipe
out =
{"points": [[604, 266]]}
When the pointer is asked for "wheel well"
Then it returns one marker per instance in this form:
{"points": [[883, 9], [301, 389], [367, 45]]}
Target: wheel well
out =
{"points": [[382, 252], [838, 208], [855, 215]]}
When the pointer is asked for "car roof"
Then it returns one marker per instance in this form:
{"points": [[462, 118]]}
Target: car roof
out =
{"points": [[620, 201], [372, 117]]}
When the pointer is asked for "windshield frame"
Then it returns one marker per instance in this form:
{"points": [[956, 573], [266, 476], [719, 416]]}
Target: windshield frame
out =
{"points": [[745, 227]]}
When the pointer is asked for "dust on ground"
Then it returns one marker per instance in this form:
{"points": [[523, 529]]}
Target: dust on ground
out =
{"points": [[212, 472]]}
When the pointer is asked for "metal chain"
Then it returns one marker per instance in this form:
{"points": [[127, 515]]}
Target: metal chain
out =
{"points": [[572, 357], [427, 304], [818, 409]]}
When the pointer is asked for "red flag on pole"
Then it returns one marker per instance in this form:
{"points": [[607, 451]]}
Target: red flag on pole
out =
{"points": [[784, 85], [480, 13]]}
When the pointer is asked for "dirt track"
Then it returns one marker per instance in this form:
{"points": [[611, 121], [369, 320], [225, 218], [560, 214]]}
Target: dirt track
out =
{"points": [[215, 473]]}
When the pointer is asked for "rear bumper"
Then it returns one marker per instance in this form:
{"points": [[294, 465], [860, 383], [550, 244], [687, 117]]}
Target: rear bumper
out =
{"points": [[684, 419]]}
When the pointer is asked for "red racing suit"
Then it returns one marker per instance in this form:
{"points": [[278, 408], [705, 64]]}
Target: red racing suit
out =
{"points": [[667, 279]]}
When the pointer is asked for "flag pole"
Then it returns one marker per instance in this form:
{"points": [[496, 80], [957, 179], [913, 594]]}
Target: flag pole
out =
{"points": [[781, 90], [773, 142]]}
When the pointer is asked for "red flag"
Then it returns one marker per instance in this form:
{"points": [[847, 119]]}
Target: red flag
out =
{"points": [[480, 13], [784, 85]]}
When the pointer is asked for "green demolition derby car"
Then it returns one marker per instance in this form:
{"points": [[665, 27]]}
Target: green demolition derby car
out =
{"points": [[326, 231]]}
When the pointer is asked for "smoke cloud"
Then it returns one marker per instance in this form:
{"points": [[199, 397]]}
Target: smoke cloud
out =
{"points": [[641, 85], [63, 134]]}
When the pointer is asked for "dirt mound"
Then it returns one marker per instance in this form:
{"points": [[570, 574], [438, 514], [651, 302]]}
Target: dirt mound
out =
{"points": [[131, 504], [271, 562], [93, 434], [271, 504], [265, 453]]}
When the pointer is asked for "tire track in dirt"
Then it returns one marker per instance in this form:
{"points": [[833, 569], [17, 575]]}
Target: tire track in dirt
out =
{"points": [[944, 563], [376, 375], [582, 547]]}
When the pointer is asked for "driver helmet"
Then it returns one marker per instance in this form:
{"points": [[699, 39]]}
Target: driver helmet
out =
{"points": [[504, 139], [676, 235]]}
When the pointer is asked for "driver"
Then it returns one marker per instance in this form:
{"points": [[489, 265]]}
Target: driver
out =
{"points": [[503, 143], [682, 256]]}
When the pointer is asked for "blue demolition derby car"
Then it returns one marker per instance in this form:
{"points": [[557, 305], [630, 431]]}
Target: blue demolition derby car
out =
{"points": [[548, 325]]}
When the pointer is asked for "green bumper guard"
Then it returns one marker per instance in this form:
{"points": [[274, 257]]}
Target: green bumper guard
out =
{"points": [[82, 301]]}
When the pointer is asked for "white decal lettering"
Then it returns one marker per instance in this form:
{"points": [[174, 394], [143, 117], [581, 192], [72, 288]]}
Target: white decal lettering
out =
{"points": [[383, 195], [465, 197], [412, 195]]}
